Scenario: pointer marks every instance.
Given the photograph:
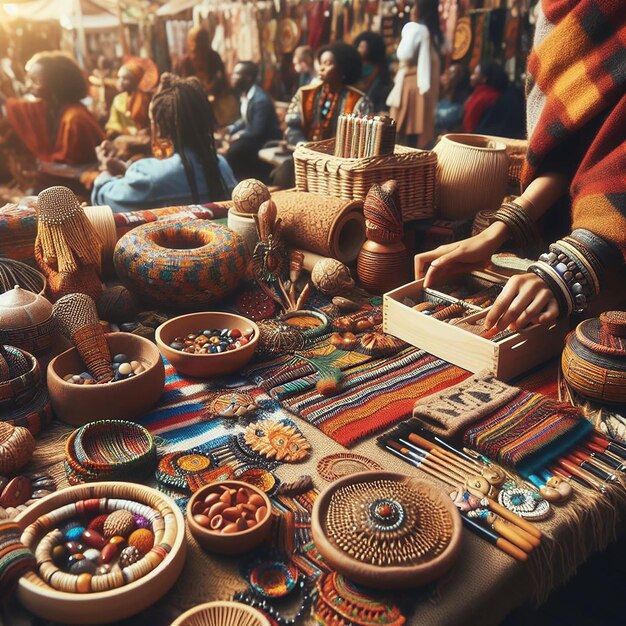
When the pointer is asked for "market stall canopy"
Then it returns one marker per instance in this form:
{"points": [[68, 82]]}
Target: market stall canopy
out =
{"points": [[88, 14]]}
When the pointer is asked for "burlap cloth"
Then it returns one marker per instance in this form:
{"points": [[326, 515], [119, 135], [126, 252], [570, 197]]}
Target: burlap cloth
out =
{"points": [[483, 586]]}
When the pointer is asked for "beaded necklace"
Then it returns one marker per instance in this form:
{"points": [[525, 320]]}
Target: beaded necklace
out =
{"points": [[325, 113]]}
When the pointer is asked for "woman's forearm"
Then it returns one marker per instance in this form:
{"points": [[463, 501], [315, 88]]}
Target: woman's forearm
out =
{"points": [[542, 193]]}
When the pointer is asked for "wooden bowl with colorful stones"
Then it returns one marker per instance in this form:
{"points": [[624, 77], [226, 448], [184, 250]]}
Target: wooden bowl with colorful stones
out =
{"points": [[124, 399], [208, 344], [229, 516], [386, 530], [105, 551]]}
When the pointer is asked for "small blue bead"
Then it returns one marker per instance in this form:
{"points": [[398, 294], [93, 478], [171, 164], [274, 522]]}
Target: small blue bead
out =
{"points": [[121, 358], [561, 268]]}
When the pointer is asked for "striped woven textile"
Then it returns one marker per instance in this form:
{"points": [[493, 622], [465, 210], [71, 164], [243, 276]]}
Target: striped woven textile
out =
{"points": [[528, 432], [376, 395], [182, 418], [577, 73]]}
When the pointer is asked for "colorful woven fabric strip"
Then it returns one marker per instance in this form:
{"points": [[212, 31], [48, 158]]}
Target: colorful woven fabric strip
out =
{"points": [[528, 432], [375, 396]]}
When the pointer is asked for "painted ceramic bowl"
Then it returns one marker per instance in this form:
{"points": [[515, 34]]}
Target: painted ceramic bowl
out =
{"points": [[123, 400], [211, 364], [116, 604], [229, 516]]}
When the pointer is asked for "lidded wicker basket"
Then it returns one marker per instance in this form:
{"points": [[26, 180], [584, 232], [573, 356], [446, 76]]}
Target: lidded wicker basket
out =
{"points": [[318, 170]]}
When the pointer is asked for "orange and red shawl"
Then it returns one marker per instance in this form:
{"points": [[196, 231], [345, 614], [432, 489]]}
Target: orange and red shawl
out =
{"points": [[76, 139], [577, 71]]}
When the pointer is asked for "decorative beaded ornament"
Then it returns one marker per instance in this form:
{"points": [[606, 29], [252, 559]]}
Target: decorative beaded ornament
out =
{"points": [[339, 598], [233, 404], [277, 440], [260, 478], [524, 502], [188, 470], [272, 579]]}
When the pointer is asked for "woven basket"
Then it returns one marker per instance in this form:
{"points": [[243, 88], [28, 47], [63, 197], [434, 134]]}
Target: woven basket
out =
{"points": [[319, 171], [222, 613], [516, 149]]}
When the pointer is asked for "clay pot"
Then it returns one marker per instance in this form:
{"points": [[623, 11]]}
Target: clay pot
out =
{"points": [[123, 400], [381, 267], [244, 225], [206, 365], [26, 320], [472, 175], [239, 541]]}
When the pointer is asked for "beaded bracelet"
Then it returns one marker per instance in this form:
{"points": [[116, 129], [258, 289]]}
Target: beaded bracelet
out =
{"points": [[583, 272], [558, 279], [521, 227], [606, 253], [554, 286], [570, 272], [163, 526], [586, 257]]}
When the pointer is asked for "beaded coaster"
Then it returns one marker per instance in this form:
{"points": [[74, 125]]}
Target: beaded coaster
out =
{"points": [[524, 502], [188, 470], [335, 466], [260, 478], [338, 597], [273, 579]]}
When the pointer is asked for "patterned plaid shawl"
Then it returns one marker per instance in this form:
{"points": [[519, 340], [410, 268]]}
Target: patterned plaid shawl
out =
{"points": [[577, 71]]}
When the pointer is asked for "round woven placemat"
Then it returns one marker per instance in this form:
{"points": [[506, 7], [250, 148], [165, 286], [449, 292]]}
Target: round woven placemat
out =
{"points": [[341, 464]]}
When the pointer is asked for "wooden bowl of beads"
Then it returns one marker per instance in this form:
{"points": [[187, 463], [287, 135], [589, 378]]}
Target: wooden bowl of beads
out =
{"points": [[229, 516], [386, 530], [134, 582], [222, 613], [123, 400], [199, 331]]}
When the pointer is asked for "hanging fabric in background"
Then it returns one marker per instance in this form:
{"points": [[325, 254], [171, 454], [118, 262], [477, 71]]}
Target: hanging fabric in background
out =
{"points": [[511, 37], [479, 21], [318, 14]]}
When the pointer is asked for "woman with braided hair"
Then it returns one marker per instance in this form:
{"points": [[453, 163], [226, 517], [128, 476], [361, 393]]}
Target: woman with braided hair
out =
{"points": [[191, 172]]}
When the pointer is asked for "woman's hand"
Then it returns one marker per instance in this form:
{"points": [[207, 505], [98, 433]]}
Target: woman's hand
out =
{"points": [[461, 256], [104, 152], [115, 167], [525, 299]]}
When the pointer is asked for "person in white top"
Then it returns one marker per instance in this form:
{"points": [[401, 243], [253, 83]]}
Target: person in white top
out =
{"points": [[416, 87]]}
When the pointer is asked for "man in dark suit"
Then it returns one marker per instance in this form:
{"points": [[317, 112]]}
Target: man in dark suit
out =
{"points": [[258, 124]]}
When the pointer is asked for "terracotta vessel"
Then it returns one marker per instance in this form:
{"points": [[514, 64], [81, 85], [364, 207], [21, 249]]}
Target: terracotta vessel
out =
{"points": [[236, 542], [205, 365], [382, 267], [472, 175], [105, 606], [126, 399]]}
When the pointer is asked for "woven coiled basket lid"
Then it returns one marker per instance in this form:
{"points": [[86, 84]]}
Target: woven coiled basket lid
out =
{"points": [[594, 358], [222, 613]]}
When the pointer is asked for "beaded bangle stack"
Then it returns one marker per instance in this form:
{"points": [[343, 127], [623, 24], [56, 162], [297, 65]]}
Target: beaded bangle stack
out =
{"points": [[572, 269], [521, 227], [45, 538]]}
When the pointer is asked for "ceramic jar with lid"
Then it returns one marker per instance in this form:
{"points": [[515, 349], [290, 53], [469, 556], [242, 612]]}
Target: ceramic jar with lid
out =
{"points": [[594, 358], [26, 320]]}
